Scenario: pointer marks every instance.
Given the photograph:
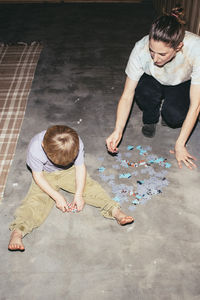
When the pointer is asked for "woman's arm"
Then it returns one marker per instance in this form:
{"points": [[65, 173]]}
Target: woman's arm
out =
{"points": [[181, 153], [123, 111]]}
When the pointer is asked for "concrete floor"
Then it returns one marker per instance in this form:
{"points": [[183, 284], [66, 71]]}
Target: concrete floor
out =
{"points": [[80, 75]]}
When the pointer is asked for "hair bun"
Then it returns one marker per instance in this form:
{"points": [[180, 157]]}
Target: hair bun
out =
{"points": [[178, 13]]}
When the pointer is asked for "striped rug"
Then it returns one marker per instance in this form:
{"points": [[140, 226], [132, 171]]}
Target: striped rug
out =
{"points": [[17, 68]]}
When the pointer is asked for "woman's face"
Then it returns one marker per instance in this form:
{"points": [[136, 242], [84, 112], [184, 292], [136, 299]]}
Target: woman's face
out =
{"points": [[161, 53]]}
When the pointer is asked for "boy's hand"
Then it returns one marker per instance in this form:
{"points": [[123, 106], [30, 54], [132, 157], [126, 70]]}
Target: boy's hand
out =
{"points": [[47, 188], [62, 204], [78, 202]]}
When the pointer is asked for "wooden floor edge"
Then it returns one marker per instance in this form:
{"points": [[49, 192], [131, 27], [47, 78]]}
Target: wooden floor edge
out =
{"points": [[67, 1]]}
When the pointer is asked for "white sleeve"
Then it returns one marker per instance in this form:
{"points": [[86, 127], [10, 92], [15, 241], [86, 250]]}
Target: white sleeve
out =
{"points": [[134, 68]]}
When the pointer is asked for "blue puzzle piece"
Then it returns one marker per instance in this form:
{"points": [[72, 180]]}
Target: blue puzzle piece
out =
{"points": [[125, 175], [142, 151], [159, 160], [124, 164], [117, 199], [101, 169], [130, 147], [167, 165]]}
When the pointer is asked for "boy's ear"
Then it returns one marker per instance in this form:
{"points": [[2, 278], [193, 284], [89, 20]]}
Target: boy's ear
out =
{"points": [[179, 47], [42, 144]]}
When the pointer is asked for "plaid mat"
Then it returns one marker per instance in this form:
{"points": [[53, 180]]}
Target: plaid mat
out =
{"points": [[17, 68]]}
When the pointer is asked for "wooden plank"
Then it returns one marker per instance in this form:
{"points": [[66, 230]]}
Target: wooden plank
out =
{"points": [[68, 1], [109, 1], [28, 1], [191, 8], [187, 14], [195, 16]]}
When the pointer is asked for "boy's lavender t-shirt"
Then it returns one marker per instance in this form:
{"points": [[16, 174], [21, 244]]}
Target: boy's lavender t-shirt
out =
{"points": [[38, 161]]}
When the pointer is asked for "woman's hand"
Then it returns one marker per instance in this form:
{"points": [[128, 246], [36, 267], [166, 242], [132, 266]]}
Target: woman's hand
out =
{"points": [[113, 140], [182, 155]]}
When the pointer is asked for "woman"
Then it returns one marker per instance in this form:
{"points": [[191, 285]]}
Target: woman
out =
{"points": [[163, 76]]}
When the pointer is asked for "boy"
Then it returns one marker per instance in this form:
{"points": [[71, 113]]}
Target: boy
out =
{"points": [[56, 158]]}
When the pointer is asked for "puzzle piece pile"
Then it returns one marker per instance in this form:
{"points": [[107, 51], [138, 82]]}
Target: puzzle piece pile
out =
{"points": [[148, 179]]}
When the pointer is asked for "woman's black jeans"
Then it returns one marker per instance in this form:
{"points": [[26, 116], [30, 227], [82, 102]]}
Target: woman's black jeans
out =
{"points": [[154, 98]]}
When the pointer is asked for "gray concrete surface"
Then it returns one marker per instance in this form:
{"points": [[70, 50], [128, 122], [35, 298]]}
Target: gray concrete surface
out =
{"points": [[80, 75]]}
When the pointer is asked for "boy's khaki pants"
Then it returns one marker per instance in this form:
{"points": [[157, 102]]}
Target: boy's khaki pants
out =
{"points": [[37, 205]]}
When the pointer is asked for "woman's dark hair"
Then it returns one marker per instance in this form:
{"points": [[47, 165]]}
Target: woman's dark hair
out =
{"points": [[169, 28]]}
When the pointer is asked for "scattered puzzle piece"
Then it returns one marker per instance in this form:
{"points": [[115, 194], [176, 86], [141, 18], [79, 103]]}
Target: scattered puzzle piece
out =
{"points": [[101, 169], [135, 202], [130, 147], [125, 175], [117, 199]]}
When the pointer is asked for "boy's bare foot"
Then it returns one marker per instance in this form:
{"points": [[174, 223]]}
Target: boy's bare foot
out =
{"points": [[15, 243], [122, 218]]}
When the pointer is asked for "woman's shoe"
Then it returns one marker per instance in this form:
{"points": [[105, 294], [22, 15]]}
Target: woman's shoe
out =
{"points": [[149, 130]]}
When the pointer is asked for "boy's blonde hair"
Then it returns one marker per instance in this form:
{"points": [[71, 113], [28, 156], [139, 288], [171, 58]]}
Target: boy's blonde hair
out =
{"points": [[61, 144]]}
